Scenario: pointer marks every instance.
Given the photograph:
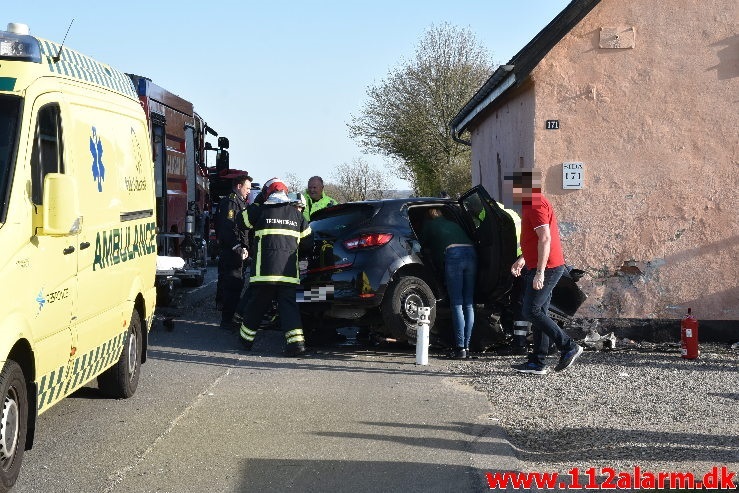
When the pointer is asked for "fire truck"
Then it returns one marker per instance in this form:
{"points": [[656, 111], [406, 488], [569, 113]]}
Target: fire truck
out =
{"points": [[180, 141]]}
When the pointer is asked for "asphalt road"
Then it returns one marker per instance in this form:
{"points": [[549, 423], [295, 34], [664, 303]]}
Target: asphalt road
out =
{"points": [[210, 417]]}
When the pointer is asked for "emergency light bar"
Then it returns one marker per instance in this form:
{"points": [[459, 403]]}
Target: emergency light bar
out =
{"points": [[15, 45]]}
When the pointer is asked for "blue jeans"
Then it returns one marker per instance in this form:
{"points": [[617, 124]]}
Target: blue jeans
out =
{"points": [[460, 269], [535, 306]]}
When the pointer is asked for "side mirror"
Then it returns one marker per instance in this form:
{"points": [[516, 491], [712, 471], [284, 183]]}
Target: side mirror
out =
{"points": [[222, 160], [61, 208], [223, 142]]}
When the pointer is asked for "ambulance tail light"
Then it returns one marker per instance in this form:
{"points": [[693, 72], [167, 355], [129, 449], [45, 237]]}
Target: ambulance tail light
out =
{"points": [[16, 44]]}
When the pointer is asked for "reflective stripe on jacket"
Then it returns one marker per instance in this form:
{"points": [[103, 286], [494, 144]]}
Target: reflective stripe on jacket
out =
{"points": [[279, 231]]}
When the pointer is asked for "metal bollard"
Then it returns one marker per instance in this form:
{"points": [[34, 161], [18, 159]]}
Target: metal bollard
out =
{"points": [[422, 336]]}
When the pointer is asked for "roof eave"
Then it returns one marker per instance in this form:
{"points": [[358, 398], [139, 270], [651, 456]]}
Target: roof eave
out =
{"points": [[522, 64], [501, 80]]}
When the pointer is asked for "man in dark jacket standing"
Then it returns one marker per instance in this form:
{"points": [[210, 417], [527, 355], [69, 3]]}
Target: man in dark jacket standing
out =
{"points": [[233, 247], [280, 230]]}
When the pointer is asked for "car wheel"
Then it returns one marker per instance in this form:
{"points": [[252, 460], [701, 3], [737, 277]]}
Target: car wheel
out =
{"points": [[401, 303], [120, 380], [14, 422]]}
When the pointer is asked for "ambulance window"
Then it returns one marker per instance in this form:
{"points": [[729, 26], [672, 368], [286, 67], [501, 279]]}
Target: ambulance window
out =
{"points": [[47, 149], [9, 112]]}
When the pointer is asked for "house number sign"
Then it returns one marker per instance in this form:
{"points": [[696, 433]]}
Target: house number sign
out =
{"points": [[572, 176]]}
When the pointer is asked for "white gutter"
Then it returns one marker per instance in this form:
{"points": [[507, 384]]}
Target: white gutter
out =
{"points": [[499, 89]]}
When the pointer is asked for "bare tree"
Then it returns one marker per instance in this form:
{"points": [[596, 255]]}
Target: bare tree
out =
{"points": [[294, 184], [406, 116], [333, 191], [359, 180]]}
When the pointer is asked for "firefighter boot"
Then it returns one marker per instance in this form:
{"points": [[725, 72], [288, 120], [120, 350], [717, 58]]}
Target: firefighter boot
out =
{"points": [[295, 342], [295, 349], [247, 336]]}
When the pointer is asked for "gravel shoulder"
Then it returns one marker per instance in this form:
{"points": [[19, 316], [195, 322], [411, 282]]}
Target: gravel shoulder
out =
{"points": [[645, 407]]}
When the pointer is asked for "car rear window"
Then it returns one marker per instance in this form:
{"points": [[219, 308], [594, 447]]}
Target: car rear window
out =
{"points": [[333, 221]]}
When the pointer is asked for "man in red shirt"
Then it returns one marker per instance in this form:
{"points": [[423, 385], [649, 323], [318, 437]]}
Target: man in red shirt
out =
{"points": [[542, 264]]}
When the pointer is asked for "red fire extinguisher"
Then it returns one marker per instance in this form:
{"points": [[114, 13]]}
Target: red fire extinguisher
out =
{"points": [[689, 337]]}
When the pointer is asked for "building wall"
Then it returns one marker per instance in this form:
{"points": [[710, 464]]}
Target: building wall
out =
{"points": [[656, 127], [504, 141]]}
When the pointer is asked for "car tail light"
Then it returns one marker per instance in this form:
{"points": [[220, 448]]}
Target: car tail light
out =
{"points": [[368, 240]]}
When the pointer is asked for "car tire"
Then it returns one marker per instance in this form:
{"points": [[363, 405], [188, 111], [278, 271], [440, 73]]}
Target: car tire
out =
{"points": [[13, 423], [401, 303], [120, 380]]}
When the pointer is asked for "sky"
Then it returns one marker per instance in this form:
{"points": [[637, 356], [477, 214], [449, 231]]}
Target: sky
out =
{"points": [[280, 79]]}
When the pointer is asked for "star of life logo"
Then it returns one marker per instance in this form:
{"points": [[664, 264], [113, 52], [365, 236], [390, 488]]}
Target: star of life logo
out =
{"points": [[98, 168]]}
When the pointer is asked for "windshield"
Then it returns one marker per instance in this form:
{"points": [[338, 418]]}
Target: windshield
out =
{"points": [[9, 114]]}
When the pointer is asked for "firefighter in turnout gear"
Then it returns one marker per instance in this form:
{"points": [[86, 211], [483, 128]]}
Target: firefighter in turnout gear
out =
{"points": [[232, 239], [280, 230]]}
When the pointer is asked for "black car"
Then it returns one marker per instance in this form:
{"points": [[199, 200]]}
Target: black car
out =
{"points": [[369, 269]]}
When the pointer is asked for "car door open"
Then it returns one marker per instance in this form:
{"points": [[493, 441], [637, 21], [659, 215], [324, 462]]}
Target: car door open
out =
{"points": [[495, 241]]}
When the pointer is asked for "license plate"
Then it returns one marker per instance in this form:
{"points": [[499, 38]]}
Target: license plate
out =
{"points": [[322, 293]]}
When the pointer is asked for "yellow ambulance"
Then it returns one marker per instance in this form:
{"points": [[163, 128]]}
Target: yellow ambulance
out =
{"points": [[77, 233]]}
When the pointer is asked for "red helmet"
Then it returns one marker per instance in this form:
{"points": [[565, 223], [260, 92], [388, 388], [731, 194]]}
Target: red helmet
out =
{"points": [[273, 185]]}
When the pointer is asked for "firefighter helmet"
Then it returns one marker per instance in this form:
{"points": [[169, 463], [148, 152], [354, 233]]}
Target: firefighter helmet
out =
{"points": [[273, 185]]}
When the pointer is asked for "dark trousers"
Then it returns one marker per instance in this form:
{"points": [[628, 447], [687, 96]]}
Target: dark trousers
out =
{"points": [[230, 283], [535, 306], [520, 324], [261, 296], [244, 299]]}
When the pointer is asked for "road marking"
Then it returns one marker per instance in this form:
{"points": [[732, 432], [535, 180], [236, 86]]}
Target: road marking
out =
{"points": [[118, 476]]}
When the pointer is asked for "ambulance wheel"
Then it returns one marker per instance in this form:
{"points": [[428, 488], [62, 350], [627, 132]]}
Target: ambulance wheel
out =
{"points": [[401, 303], [120, 380], [13, 424]]}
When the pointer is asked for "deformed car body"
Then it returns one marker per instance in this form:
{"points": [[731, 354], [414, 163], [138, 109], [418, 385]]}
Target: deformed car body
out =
{"points": [[369, 269]]}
